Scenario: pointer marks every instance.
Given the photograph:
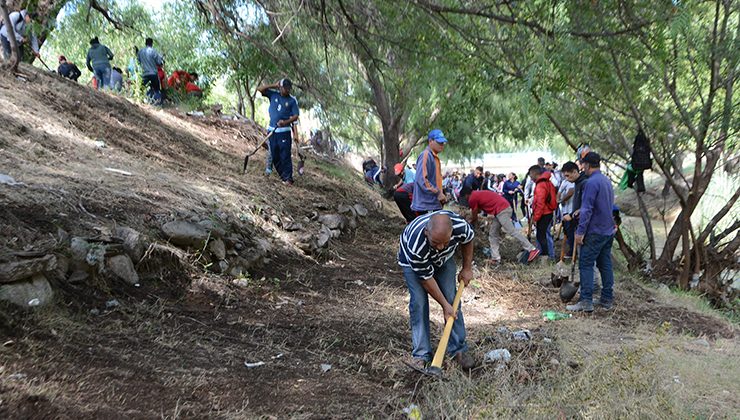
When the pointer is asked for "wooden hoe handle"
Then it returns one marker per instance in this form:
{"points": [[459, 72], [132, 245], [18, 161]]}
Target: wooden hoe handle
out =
{"points": [[442, 347]]}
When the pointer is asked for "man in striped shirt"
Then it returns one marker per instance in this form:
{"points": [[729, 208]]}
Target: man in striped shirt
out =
{"points": [[426, 256]]}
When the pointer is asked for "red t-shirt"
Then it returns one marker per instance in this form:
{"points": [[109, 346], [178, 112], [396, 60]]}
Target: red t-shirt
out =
{"points": [[191, 87], [488, 201]]}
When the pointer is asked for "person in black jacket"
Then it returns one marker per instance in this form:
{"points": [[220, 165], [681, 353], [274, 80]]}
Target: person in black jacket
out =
{"points": [[67, 69]]}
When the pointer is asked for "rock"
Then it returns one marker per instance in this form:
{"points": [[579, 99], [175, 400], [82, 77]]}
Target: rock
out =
{"points": [[240, 282], [554, 362], [95, 255], [293, 227], [263, 246], [19, 270], [34, 292], [62, 266], [215, 230], [113, 303], [352, 223], [335, 233], [133, 243], [123, 268], [223, 265], [79, 247], [349, 210], [361, 210], [217, 248], [78, 276], [333, 221], [276, 219], [322, 239], [239, 267], [182, 233], [701, 342]]}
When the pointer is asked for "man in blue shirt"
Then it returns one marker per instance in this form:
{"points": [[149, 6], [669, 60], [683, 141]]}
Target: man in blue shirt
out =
{"points": [[149, 59], [428, 193], [283, 113], [595, 234]]}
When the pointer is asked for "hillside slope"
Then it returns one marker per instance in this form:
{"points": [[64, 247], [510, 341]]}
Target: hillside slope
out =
{"points": [[302, 279]]}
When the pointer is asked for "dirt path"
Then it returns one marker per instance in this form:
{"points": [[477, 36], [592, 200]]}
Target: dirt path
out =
{"points": [[177, 346]]}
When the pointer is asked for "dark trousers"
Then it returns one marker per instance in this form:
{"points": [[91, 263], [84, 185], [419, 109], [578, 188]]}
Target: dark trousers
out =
{"points": [[404, 204], [570, 230], [152, 82], [7, 50], [280, 149], [542, 226]]}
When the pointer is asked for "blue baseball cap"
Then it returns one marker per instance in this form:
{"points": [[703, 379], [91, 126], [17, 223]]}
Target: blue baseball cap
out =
{"points": [[437, 135]]}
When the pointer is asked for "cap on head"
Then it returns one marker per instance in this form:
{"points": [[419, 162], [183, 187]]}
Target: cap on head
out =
{"points": [[286, 83], [398, 168], [437, 135], [94, 41]]}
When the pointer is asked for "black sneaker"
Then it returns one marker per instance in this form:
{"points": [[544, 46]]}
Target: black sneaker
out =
{"points": [[605, 305]]}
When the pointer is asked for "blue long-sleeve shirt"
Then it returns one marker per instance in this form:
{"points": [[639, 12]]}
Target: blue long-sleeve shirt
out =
{"points": [[597, 203], [428, 182]]}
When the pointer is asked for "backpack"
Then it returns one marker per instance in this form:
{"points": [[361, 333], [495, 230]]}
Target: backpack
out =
{"points": [[641, 153]]}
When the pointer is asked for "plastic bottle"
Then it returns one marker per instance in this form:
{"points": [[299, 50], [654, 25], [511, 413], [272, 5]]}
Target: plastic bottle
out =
{"points": [[554, 316]]}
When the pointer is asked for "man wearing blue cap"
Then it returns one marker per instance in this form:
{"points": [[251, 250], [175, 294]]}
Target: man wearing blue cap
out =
{"points": [[283, 113], [428, 193]]}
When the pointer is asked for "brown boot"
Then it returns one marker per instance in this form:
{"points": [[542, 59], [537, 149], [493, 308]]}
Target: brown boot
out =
{"points": [[465, 360]]}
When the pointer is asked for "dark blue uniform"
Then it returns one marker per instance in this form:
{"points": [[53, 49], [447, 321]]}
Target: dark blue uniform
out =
{"points": [[281, 108]]}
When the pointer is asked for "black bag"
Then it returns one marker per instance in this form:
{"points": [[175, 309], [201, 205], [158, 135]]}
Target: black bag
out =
{"points": [[641, 159]]}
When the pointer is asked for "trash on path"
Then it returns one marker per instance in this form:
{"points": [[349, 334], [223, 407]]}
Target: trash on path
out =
{"points": [[277, 356], [34, 302], [253, 365], [522, 335], [502, 330], [112, 304], [497, 355], [9, 180], [325, 367], [195, 114], [487, 252], [413, 412], [100, 143], [555, 316], [119, 171]]}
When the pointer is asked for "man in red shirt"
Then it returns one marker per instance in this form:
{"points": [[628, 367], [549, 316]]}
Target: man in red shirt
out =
{"points": [[544, 204], [495, 205]]}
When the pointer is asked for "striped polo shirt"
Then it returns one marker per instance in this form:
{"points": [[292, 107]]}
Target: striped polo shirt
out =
{"points": [[416, 251]]}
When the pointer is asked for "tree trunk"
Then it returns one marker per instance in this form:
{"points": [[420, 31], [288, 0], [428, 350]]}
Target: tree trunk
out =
{"points": [[240, 97], [15, 53], [648, 226]]}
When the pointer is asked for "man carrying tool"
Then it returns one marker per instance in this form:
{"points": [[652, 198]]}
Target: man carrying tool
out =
{"points": [[283, 113], [428, 193], [496, 206], [426, 256], [595, 234], [21, 23]]}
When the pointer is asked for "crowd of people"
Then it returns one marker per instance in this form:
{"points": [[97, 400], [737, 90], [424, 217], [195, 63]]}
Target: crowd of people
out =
{"points": [[147, 63], [579, 196]]}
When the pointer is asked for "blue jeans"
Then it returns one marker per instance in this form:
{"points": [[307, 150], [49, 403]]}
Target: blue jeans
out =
{"points": [[598, 249], [102, 73], [446, 278], [280, 148]]}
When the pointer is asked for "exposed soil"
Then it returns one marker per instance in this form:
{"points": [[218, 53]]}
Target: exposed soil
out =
{"points": [[177, 346]]}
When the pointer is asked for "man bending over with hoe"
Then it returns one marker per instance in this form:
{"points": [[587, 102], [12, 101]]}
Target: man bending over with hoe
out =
{"points": [[426, 256]]}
